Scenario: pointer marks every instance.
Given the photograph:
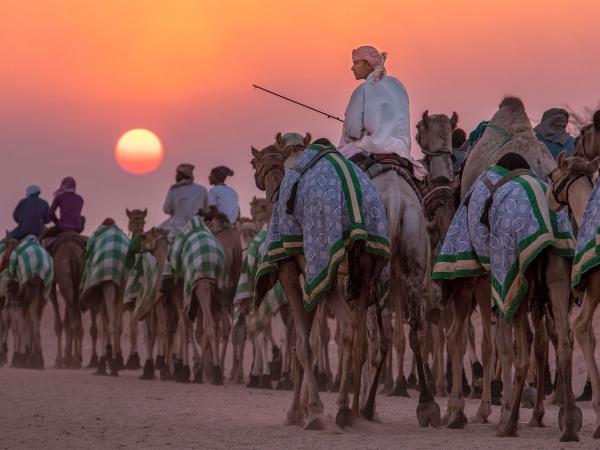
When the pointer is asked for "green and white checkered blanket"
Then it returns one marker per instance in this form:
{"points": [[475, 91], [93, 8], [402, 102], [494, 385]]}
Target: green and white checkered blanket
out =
{"points": [[3, 277], [30, 259], [197, 254], [104, 258], [258, 320], [142, 285]]}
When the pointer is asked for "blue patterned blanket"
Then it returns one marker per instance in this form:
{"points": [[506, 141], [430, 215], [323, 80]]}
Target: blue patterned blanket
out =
{"points": [[521, 226], [336, 205], [587, 254]]}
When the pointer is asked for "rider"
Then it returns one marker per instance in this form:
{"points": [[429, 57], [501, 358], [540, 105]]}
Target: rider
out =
{"points": [[31, 214], [459, 137], [70, 205], [222, 197], [377, 118], [552, 132], [185, 199]]}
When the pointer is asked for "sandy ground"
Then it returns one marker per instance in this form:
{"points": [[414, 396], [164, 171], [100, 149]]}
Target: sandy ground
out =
{"points": [[73, 409]]}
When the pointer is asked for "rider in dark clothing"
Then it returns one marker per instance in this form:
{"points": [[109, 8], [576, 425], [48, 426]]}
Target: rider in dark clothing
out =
{"points": [[31, 214]]}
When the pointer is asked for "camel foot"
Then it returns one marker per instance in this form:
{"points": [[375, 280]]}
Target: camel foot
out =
{"points": [[93, 362], [265, 382], [528, 397], [293, 418], [165, 374], [209, 370], [285, 383], [160, 362], [322, 382], [198, 378], [114, 371], [429, 413], [400, 388], [148, 373], [577, 417], [184, 375], [254, 381], [133, 362], [507, 431], [344, 418], [458, 422], [412, 381], [120, 363], [368, 412], [536, 423], [477, 419], [586, 395], [597, 433], [101, 369], [218, 377], [177, 369], [336, 387]]}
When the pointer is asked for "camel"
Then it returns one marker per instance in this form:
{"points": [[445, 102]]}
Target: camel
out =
{"points": [[509, 130], [101, 290], [572, 185], [269, 172], [30, 277], [67, 251], [247, 229], [587, 144]]}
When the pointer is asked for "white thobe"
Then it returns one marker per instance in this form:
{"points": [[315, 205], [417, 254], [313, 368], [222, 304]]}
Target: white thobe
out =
{"points": [[377, 120], [181, 204], [226, 200]]}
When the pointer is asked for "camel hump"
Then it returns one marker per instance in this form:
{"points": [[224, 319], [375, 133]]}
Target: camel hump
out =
{"points": [[54, 243]]}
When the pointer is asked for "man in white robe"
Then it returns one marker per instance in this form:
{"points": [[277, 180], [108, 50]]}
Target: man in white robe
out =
{"points": [[377, 118], [184, 200]]}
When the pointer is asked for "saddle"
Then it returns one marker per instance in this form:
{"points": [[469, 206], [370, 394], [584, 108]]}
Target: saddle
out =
{"points": [[53, 243], [485, 216]]}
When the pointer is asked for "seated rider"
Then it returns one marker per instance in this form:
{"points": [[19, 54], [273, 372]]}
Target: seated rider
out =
{"points": [[552, 132], [31, 214], [70, 205], [221, 197]]}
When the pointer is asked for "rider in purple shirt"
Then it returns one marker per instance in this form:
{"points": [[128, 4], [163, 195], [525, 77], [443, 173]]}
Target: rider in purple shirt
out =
{"points": [[70, 205]]}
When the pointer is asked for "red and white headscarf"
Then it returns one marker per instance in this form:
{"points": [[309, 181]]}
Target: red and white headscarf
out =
{"points": [[374, 58], [67, 185]]}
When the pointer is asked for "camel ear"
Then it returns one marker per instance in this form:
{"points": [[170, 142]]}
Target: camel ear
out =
{"points": [[145, 212], [307, 139], [128, 213], [279, 141], [454, 120], [593, 165], [552, 203], [561, 160], [255, 153], [287, 152], [455, 184], [426, 118]]}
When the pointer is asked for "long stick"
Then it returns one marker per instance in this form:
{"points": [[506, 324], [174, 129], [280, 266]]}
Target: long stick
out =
{"points": [[329, 116]]}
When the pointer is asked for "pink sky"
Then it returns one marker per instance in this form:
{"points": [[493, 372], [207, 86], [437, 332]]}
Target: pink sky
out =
{"points": [[76, 75]]}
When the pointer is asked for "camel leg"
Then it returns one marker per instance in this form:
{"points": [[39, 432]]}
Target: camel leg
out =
{"points": [[582, 328], [387, 376], [182, 335], [225, 333], [398, 304], [523, 339], [94, 335], [261, 364], [203, 292], [378, 350], [289, 274], [482, 294], [111, 300], [282, 330], [540, 347], [506, 355], [242, 333], [455, 416], [559, 286], [57, 328], [36, 309]]}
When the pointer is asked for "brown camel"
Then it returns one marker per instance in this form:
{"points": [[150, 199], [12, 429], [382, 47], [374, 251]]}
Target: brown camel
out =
{"points": [[509, 130], [269, 166], [587, 144], [572, 185]]}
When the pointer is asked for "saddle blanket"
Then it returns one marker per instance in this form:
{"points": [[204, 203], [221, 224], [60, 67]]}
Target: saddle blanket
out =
{"points": [[587, 253], [28, 259], [336, 205], [142, 285], [521, 226]]}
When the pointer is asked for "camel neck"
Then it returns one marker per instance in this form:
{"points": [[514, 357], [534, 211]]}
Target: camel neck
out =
{"points": [[579, 194], [273, 180]]}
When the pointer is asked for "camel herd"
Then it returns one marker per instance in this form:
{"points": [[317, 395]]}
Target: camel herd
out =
{"points": [[189, 310]]}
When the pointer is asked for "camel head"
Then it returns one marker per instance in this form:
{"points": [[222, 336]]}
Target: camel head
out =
{"points": [[258, 210], [247, 229], [269, 160], [137, 220], [569, 172], [291, 146], [434, 135], [440, 201], [153, 238], [587, 144]]}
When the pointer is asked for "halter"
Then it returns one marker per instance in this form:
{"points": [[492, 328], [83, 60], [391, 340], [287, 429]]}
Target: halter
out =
{"points": [[436, 198], [277, 155], [153, 245], [567, 182]]}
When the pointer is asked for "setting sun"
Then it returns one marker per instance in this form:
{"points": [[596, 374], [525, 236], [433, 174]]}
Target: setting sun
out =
{"points": [[139, 151]]}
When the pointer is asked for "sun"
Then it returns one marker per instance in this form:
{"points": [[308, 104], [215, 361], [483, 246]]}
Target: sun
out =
{"points": [[139, 151]]}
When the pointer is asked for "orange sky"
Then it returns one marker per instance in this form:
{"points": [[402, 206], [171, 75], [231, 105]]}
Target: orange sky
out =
{"points": [[76, 75]]}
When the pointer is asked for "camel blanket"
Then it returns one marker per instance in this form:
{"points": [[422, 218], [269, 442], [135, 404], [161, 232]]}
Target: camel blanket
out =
{"points": [[3, 276], [142, 285], [30, 258], [197, 255], [258, 320], [587, 254], [336, 204], [104, 258], [521, 226]]}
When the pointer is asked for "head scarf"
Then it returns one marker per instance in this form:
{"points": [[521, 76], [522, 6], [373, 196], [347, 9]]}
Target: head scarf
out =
{"points": [[33, 190], [513, 161], [187, 170], [551, 131], [67, 185], [221, 172], [374, 58]]}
